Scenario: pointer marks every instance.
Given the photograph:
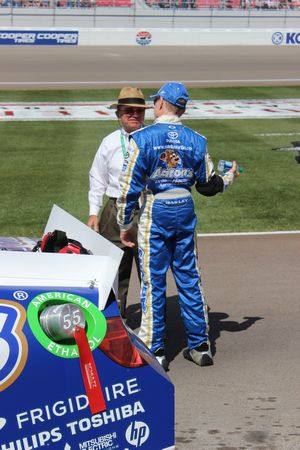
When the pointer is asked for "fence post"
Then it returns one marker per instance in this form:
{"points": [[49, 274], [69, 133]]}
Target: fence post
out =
{"points": [[211, 17], [173, 16], [134, 12], [249, 13], [54, 12], [95, 11], [285, 17], [11, 14]]}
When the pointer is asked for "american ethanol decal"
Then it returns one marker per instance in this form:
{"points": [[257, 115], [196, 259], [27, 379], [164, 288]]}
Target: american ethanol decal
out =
{"points": [[95, 321]]}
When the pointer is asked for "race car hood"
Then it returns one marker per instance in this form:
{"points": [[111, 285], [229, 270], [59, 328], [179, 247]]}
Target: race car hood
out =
{"points": [[98, 270]]}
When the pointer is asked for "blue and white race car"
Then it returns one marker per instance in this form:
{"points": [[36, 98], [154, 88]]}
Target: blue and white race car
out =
{"points": [[72, 375]]}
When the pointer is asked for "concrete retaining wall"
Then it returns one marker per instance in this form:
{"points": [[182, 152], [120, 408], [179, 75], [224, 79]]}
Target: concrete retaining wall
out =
{"points": [[148, 36], [188, 37]]}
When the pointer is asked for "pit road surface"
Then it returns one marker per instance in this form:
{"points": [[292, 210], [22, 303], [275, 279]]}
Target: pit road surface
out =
{"points": [[248, 399]]}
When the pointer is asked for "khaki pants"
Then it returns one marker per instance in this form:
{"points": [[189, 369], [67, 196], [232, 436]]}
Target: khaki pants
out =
{"points": [[110, 230]]}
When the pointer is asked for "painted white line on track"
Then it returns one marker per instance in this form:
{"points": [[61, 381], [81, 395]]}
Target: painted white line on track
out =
{"points": [[53, 83], [250, 233]]}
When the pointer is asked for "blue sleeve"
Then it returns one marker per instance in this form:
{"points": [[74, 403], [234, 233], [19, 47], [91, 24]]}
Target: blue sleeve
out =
{"points": [[213, 183], [204, 167]]}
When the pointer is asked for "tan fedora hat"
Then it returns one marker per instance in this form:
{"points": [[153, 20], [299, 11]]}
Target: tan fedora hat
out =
{"points": [[130, 96]]}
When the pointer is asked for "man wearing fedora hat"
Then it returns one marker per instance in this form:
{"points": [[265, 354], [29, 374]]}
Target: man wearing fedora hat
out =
{"points": [[104, 179]]}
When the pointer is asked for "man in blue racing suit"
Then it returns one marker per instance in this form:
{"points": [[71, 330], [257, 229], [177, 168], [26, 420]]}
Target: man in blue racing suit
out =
{"points": [[164, 161]]}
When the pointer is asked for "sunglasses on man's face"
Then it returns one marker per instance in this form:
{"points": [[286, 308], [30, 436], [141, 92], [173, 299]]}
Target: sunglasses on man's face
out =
{"points": [[130, 111]]}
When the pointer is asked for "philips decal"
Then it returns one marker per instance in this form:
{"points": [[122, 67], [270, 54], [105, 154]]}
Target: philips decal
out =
{"points": [[41, 439]]}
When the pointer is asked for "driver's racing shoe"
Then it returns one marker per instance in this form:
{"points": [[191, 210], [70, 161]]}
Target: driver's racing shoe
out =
{"points": [[200, 355], [161, 358]]}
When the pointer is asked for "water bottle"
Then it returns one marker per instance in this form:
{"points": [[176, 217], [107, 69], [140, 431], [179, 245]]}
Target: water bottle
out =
{"points": [[224, 166]]}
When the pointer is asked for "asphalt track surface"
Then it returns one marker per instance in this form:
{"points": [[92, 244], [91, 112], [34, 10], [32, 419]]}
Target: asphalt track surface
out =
{"points": [[249, 399], [39, 67]]}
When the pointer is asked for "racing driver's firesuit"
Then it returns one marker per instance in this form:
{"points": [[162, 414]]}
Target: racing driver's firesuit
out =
{"points": [[164, 161]]}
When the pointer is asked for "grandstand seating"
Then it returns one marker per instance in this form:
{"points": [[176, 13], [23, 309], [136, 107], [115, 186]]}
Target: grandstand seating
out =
{"points": [[217, 4], [123, 3], [157, 4], [66, 3], [225, 4], [93, 3]]}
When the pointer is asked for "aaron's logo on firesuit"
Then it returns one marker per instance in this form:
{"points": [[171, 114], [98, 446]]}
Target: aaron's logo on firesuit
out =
{"points": [[172, 159]]}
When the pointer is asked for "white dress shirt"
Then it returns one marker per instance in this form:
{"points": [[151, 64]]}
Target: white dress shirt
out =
{"points": [[106, 168]]}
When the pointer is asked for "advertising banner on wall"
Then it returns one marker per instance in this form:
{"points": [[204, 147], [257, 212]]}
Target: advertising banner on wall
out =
{"points": [[286, 38], [149, 37], [38, 37]]}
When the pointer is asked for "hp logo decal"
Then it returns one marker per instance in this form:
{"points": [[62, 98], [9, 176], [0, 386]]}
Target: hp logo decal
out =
{"points": [[137, 433]]}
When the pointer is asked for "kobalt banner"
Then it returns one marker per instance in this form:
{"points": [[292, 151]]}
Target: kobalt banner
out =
{"points": [[42, 37], [291, 38]]}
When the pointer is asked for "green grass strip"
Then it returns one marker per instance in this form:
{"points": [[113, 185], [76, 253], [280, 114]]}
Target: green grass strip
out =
{"points": [[48, 162]]}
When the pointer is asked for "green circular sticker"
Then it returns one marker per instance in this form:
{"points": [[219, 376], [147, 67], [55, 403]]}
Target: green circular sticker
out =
{"points": [[95, 322]]}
